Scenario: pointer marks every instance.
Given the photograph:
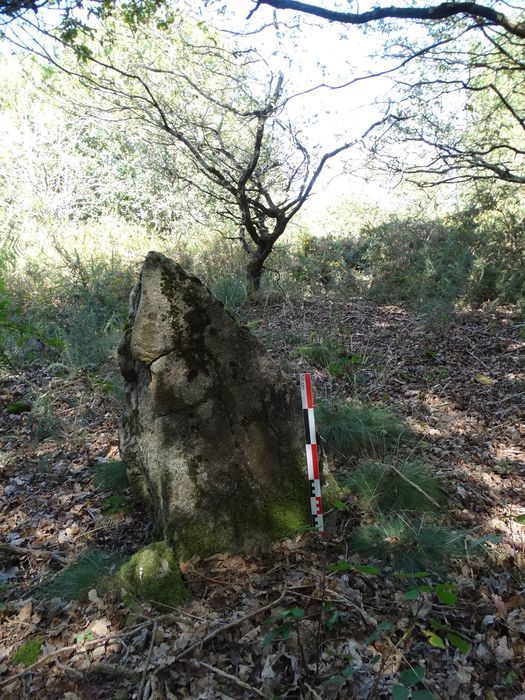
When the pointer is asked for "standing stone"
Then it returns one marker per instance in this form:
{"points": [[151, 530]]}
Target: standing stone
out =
{"points": [[212, 431]]}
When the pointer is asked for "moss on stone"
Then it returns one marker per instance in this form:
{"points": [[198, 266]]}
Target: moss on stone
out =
{"points": [[153, 574], [332, 491], [251, 517]]}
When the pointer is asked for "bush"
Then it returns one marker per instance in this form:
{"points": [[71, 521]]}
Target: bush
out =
{"points": [[417, 261], [80, 307], [326, 262], [350, 431]]}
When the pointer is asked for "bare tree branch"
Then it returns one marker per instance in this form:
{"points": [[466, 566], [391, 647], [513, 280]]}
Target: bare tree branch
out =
{"points": [[434, 13]]}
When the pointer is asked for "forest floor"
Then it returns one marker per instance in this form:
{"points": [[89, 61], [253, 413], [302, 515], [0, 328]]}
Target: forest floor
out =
{"points": [[351, 633]]}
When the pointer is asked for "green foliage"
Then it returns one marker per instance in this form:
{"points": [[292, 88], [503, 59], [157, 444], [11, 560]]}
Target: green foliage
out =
{"points": [[27, 654], [380, 488], [408, 545], [80, 306], [419, 261], [350, 431], [282, 624], [110, 475], [325, 262], [92, 569], [115, 504], [472, 256]]}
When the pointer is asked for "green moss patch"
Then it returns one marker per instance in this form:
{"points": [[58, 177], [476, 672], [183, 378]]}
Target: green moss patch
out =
{"points": [[18, 407], [28, 653], [153, 574]]}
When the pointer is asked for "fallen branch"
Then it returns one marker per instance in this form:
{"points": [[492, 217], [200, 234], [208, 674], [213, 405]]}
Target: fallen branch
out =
{"points": [[223, 628], [368, 619], [418, 488], [26, 551], [145, 672], [234, 679]]}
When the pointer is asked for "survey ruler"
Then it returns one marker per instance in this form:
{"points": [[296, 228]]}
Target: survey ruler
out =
{"points": [[312, 455]]}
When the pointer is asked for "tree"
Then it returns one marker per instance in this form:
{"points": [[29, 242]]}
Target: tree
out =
{"points": [[457, 111], [218, 114]]}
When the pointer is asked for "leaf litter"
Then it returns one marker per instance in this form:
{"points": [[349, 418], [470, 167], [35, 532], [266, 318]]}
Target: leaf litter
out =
{"points": [[292, 622]]}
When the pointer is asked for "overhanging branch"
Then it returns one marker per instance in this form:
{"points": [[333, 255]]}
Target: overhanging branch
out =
{"points": [[438, 12]]}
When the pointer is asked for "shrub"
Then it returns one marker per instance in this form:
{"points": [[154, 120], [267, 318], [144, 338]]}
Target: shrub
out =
{"points": [[419, 260]]}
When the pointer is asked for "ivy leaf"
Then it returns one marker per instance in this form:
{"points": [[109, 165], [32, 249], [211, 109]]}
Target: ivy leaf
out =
{"points": [[399, 692], [416, 574], [423, 695], [446, 594], [412, 594], [340, 505], [458, 642], [434, 640], [281, 633], [511, 678], [412, 675]]}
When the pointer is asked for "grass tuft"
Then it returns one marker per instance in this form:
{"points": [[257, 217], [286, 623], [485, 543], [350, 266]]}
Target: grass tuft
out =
{"points": [[408, 545], [110, 475], [91, 570], [350, 431], [231, 290], [380, 488]]}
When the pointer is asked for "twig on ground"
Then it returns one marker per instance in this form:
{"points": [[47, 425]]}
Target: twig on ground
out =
{"points": [[315, 695], [26, 551], [235, 623], [234, 679], [418, 488], [371, 621], [145, 672]]}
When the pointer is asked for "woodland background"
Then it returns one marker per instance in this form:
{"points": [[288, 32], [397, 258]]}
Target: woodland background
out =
{"points": [[375, 238]]}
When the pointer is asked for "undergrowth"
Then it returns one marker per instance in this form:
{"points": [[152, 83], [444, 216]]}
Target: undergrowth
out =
{"points": [[92, 569], [350, 431], [383, 487]]}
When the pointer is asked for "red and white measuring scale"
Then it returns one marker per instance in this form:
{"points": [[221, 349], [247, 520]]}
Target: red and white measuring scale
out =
{"points": [[312, 456]]}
